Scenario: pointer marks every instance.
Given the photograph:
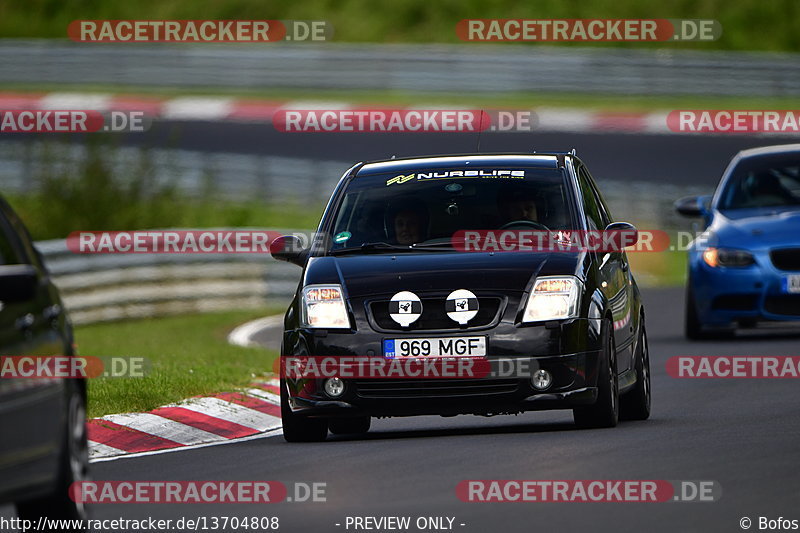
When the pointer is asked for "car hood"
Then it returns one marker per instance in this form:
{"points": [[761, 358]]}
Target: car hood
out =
{"points": [[379, 274], [756, 228]]}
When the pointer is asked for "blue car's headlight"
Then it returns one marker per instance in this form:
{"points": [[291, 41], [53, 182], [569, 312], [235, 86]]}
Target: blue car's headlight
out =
{"points": [[727, 257]]}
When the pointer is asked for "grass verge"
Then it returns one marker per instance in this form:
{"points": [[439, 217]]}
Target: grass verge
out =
{"points": [[187, 356]]}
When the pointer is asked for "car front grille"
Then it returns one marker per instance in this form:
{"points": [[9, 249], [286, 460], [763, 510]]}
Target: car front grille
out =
{"points": [[433, 388], [784, 304], [786, 258], [434, 316]]}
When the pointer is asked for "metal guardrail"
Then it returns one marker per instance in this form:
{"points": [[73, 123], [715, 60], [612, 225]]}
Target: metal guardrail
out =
{"points": [[232, 176], [100, 288], [468, 67], [275, 180]]}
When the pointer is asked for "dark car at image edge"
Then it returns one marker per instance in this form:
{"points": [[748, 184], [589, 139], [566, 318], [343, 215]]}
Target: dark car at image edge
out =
{"points": [[577, 315], [43, 439]]}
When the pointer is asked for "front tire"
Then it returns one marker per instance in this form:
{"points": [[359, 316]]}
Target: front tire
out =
{"points": [[635, 404], [692, 327], [297, 428], [605, 412]]}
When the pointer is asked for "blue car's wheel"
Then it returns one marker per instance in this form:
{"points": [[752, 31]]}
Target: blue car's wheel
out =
{"points": [[693, 328]]}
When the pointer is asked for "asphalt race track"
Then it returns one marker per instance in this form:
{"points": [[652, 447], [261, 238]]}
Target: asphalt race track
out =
{"points": [[740, 433]]}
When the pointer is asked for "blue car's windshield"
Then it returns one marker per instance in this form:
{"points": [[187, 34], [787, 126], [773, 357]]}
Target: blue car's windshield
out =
{"points": [[772, 181], [429, 206]]}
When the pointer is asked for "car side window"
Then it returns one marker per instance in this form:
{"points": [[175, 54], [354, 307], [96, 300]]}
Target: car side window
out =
{"points": [[11, 248], [605, 212], [590, 203]]}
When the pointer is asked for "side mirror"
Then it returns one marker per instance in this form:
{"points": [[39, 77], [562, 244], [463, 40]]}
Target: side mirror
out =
{"points": [[693, 206], [624, 234], [18, 283], [288, 248]]}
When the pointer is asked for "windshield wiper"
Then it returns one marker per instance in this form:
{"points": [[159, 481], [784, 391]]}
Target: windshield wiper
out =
{"points": [[372, 246], [448, 245], [381, 246]]}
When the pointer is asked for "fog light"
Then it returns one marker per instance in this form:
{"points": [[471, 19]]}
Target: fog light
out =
{"points": [[334, 387], [541, 379]]}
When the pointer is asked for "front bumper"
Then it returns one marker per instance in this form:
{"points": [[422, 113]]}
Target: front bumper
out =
{"points": [[574, 384], [754, 293]]}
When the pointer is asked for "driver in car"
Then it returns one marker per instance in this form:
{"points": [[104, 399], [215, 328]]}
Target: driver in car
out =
{"points": [[517, 206], [408, 223]]}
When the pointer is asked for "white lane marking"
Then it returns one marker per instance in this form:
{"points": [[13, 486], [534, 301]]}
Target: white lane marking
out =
{"points": [[97, 449], [194, 108], [277, 432], [318, 105], [98, 102], [164, 428], [242, 335], [556, 119], [231, 412], [262, 394]]}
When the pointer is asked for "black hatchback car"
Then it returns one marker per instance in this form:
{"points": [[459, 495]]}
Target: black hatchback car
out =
{"points": [[387, 277], [43, 440]]}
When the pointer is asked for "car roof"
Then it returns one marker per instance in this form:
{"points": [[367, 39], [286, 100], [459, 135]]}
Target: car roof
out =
{"points": [[535, 160], [770, 150]]}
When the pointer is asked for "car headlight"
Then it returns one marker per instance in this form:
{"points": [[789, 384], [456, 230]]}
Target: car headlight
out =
{"points": [[323, 307], [726, 257], [553, 298]]}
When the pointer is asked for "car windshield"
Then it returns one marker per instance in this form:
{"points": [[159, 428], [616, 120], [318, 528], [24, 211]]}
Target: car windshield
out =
{"points": [[763, 182], [425, 208]]}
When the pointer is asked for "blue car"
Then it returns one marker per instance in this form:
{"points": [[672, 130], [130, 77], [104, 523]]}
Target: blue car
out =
{"points": [[745, 267]]}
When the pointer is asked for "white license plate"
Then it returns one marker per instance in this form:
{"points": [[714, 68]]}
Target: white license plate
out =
{"points": [[792, 283], [435, 347]]}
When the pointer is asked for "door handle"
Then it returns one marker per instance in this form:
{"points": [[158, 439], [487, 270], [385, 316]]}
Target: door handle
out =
{"points": [[51, 312], [25, 322]]}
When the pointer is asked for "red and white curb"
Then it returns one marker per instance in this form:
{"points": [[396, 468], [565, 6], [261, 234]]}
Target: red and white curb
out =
{"points": [[244, 110], [190, 423]]}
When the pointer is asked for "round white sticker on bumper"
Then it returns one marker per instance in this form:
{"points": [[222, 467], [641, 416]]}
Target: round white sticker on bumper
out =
{"points": [[461, 305], [405, 307]]}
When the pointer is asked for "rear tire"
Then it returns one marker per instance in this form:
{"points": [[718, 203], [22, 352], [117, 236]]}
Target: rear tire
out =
{"points": [[693, 329], [635, 404], [297, 428], [605, 412], [349, 426], [73, 467]]}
